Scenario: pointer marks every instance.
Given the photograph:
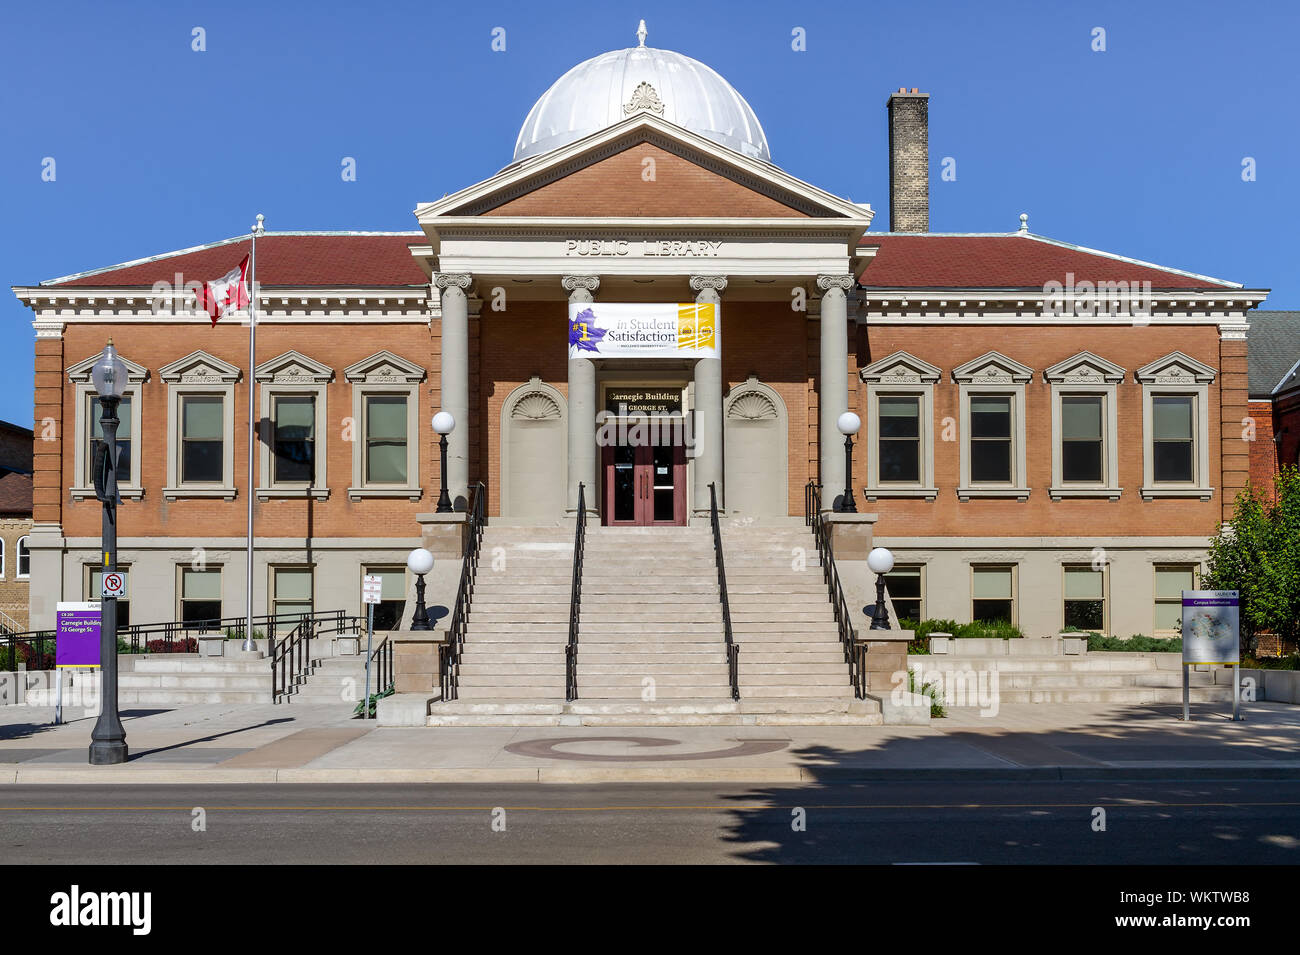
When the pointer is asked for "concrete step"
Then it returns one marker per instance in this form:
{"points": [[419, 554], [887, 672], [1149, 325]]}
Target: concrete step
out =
{"points": [[599, 691], [1130, 694], [160, 664], [190, 681], [663, 675], [539, 693], [144, 697], [588, 657]]}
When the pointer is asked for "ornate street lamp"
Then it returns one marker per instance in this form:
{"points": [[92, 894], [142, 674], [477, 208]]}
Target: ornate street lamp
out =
{"points": [[443, 424], [849, 424], [881, 562], [108, 740], [420, 562]]}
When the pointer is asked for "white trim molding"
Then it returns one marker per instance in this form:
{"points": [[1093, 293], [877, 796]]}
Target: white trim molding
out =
{"points": [[1177, 374], [200, 374], [292, 374], [385, 373], [904, 375], [994, 374], [1086, 374], [83, 481]]}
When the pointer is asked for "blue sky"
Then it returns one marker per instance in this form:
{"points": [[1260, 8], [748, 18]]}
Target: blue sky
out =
{"points": [[1137, 150]]}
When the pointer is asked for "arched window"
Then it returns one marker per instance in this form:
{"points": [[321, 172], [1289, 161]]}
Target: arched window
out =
{"points": [[24, 559]]}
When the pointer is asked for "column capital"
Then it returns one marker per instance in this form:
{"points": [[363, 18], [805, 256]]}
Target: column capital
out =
{"points": [[573, 283], [712, 283], [445, 280], [841, 282]]}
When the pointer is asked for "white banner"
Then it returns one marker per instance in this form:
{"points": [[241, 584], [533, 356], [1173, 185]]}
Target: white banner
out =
{"points": [[644, 330]]}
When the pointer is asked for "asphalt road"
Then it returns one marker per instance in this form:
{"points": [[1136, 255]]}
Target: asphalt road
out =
{"points": [[1250, 823]]}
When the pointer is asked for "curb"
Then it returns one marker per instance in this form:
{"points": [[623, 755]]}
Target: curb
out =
{"points": [[757, 776]]}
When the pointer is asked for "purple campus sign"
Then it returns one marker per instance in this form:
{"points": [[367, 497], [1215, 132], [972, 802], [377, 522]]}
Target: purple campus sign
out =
{"points": [[77, 641]]}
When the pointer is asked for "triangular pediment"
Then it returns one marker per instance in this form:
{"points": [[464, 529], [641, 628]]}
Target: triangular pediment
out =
{"points": [[293, 368], [1175, 368], [992, 367], [644, 166], [80, 372], [900, 368], [199, 368], [383, 367], [1084, 368]]}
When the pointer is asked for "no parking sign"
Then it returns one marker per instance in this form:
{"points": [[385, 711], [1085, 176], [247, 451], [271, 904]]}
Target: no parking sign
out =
{"points": [[114, 584]]}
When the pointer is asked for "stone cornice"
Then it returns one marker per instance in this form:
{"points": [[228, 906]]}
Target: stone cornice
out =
{"points": [[715, 283], [445, 280], [572, 283], [828, 282]]}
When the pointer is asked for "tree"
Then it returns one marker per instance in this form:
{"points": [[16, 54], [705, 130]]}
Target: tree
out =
{"points": [[1258, 554]]}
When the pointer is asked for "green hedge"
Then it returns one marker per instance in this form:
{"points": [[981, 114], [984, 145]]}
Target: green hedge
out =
{"points": [[1291, 662], [1137, 643], [995, 630]]}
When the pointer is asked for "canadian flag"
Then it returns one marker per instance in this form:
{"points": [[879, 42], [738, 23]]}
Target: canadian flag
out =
{"points": [[227, 294]]}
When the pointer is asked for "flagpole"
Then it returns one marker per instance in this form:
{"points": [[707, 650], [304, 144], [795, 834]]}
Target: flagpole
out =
{"points": [[249, 643]]}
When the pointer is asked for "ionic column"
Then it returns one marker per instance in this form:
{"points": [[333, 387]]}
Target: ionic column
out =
{"points": [[833, 392], [582, 407], [708, 404], [455, 379]]}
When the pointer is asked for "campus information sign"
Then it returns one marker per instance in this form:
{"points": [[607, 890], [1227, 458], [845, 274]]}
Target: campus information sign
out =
{"points": [[1211, 627], [76, 641], [643, 330]]}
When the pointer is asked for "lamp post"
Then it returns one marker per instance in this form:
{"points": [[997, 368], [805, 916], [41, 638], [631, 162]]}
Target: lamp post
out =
{"points": [[880, 561], [420, 562], [848, 423], [443, 424], [108, 740]]}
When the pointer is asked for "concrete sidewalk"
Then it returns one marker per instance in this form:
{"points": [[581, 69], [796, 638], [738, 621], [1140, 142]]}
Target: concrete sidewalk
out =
{"points": [[240, 743]]}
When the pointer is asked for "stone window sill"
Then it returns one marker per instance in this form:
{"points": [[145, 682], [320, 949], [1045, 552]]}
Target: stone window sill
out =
{"points": [[412, 493], [1019, 493], [1204, 493], [1110, 493], [125, 493], [267, 493], [174, 493], [871, 493]]}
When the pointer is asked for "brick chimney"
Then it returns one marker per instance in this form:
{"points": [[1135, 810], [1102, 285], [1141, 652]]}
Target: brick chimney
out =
{"points": [[909, 160]]}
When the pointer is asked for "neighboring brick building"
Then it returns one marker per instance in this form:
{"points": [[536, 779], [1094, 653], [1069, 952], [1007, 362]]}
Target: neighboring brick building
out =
{"points": [[1045, 427], [15, 563]]}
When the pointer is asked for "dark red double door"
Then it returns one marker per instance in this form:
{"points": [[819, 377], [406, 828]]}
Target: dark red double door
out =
{"points": [[645, 485]]}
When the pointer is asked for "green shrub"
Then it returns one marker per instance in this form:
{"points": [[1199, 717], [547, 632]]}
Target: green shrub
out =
{"points": [[927, 689], [990, 630], [922, 630], [374, 699], [1138, 643], [1291, 662]]}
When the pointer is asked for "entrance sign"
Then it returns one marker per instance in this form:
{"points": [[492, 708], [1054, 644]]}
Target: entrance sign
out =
{"points": [[76, 642], [643, 401], [644, 330], [1211, 627], [1211, 635], [371, 588], [113, 584]]}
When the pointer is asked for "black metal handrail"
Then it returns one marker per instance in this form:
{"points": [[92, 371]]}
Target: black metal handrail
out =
{"points": [[855, 651], [31, 648], [382, 662], [575, 599], [291, 659], [449, 652], [733, 651]]}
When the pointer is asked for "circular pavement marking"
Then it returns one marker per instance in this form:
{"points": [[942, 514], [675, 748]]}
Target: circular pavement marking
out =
{"points": [[546, 749]]}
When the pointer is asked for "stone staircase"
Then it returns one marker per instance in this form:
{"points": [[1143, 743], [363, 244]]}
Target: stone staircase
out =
{"points": [[177, 679], [1038, 671], [651, 646]]}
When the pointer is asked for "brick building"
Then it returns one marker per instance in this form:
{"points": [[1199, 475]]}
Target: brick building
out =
{"points": [[1049, 434], [1274, 340]]}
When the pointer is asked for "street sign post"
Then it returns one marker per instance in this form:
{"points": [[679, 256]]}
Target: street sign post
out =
{"points": [[371, 588], [1212, 635]]}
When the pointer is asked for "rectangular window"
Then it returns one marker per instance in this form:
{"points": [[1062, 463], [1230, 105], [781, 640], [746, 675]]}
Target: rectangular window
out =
{"points": [[392, 596], [904, 584], [95, 591], [201, 595], [294, 426], [291, 590], [1085, 598], [1081, 440], [385, 439], [993, 594], [1172, 444], [202, 419], [900, 438], [990, 439], [1171, 581], [123, 439]]}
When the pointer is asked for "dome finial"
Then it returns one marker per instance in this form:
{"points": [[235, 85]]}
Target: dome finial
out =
{"points": [[640, 34]]}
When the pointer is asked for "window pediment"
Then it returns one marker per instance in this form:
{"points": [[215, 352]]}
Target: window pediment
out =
{"points": [[1084, 368], [1175, 369], [384, 368], [80, 372], [902, 369], [199, 368], [992, 368], [293, 368]]}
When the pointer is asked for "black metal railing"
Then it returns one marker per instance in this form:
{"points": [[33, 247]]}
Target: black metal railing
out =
{"points": [[31, 649], [291, 659], [575, 599], [449, 652], [381, 663], [855, 651], [733, 651]]}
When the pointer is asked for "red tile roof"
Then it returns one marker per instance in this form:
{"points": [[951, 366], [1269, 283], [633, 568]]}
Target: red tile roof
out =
{"points": [[283, 259], [1019, 261], [16, 493]]}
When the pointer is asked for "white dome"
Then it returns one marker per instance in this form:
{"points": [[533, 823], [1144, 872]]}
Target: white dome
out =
{"points": [[607, 88]]}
